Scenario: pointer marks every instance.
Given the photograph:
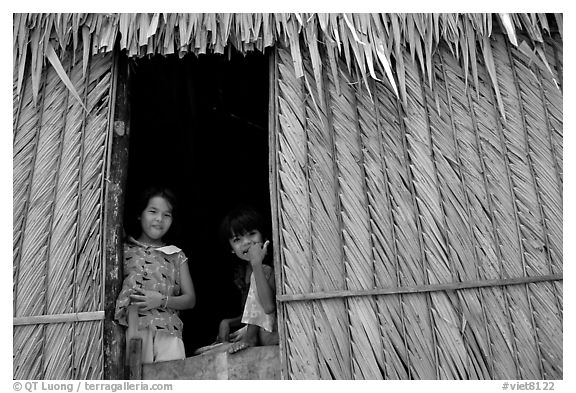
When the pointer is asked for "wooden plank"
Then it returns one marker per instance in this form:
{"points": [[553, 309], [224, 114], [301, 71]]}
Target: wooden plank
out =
{"points": [[255, 363], [114, 338], [419, 288], [135, 359]]}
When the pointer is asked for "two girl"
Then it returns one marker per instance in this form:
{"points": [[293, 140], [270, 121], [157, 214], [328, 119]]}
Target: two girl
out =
{"points": [[157, 282]]}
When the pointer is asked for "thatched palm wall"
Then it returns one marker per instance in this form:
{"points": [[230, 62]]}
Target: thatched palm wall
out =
{"points": [[418, 216], [59, 161], [384, 211]]}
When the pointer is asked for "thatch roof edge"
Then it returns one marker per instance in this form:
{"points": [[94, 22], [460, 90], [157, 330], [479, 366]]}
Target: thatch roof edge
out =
{"points": [[366, 41]]}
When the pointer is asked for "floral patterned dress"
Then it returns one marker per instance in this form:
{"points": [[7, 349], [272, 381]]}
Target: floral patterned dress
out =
{"points": [[151, 268]]}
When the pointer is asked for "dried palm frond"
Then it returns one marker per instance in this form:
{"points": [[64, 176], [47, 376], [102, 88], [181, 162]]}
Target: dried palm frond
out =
{"points": [[458, 181], [369, 41], [88, 354], [366, 345], [27, 349], [435, 191], [296, 220], [59, 153], [330, 317], [531, 179]]}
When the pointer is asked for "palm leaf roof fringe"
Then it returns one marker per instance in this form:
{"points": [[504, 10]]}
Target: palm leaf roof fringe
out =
{"points": [[365, 41]]}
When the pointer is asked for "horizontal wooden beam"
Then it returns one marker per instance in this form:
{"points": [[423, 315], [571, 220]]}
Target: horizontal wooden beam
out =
{"points": [[418, 288], [59, 318]]}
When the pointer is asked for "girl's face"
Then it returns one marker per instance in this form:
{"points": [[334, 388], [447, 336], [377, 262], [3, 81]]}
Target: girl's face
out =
{"points": [[241, 243], [155, 220]]}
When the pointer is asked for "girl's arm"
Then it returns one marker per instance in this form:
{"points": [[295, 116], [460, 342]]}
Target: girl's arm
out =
{"points": [[234, 322], [266, 287], [226, 326], [187, 298], [148, 299]]}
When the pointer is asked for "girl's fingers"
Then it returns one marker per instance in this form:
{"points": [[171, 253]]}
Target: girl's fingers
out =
{"points": [[261, 248]]}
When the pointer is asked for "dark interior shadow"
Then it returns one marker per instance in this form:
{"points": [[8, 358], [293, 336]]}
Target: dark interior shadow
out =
{"points": [[199, 125]]}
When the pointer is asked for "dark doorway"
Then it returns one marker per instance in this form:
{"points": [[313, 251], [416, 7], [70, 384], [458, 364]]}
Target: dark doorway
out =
{"points": [[199, 125]]}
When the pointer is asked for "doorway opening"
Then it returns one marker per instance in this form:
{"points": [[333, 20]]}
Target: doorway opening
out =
{"points": [[199, 125]]}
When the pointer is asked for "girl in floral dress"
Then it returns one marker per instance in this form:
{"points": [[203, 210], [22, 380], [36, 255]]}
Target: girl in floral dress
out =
{"points": [[157, 282]]}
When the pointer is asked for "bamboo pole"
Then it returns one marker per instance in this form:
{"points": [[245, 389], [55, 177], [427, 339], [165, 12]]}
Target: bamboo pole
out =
{"points": [[335, 173], [363, 148], [401, 111], [482, 154], [503, 128], [542, 219], [79, 218], [393, 219], [26, 201], [557, 173], [419, 288], [310, 255], [50, 260], [59, 318], [477, 260]]}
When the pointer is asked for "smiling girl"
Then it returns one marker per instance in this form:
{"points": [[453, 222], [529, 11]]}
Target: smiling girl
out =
{"points": [[244, 232], [157, 282]]}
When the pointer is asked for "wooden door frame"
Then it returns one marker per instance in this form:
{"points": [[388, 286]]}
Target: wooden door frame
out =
{"points": [[273, 181], [114, 341]]}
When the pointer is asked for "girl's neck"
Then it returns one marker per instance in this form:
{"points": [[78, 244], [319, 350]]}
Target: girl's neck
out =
{"points": [[151, 242]]}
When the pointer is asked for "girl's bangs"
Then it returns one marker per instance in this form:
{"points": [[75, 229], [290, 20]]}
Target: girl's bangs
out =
{"points": [[243, 223]]}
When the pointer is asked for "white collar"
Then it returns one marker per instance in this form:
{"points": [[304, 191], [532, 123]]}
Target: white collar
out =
{"points": [[168, 250]]}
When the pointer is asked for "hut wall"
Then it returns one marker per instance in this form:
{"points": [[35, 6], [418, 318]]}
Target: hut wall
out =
{"points": [[421, 242], [59, 162]]}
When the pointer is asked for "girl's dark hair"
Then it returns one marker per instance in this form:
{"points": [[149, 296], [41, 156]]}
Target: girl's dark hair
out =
{"points": [[152, 192], [240, 220]]}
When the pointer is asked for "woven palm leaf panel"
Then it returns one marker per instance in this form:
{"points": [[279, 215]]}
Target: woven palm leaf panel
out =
{"points": [[414, 202], [58, 177]]}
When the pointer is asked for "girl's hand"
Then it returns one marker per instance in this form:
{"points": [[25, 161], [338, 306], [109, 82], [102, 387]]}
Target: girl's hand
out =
{"points": [[224, 330], [147, 299], [257, 252]]}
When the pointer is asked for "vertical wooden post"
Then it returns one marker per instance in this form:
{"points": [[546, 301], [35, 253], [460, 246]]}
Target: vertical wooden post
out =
{"points": [[135, 359], [274, 201], [114, 338]]}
